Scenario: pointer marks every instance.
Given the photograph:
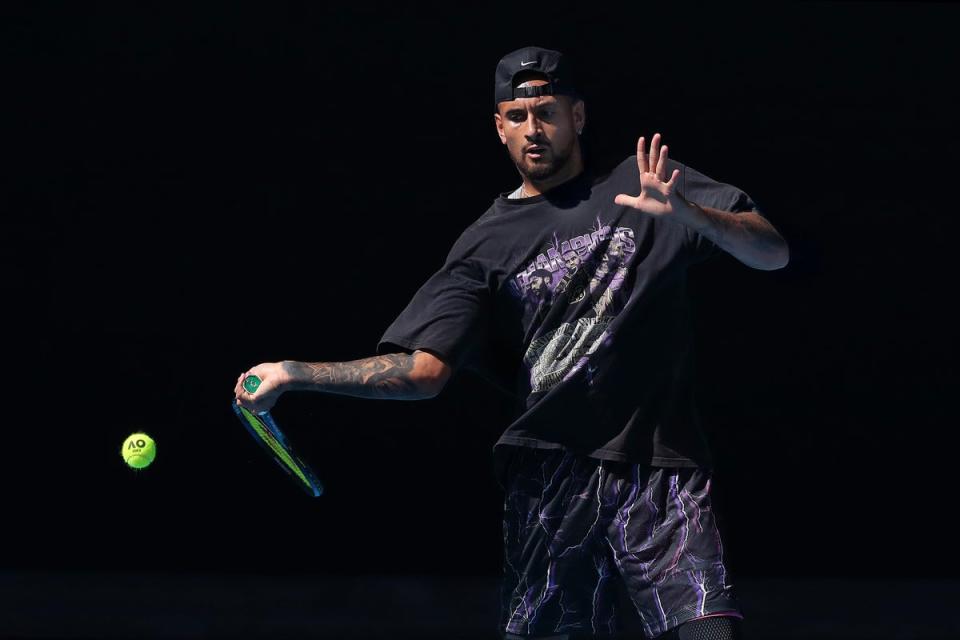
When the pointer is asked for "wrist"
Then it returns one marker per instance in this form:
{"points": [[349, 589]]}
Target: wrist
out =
{"points": [[691, 215], [293, 375]]}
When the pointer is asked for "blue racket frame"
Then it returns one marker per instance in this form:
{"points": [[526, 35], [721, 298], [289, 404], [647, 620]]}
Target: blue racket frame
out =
{"points": [[315, 487]]}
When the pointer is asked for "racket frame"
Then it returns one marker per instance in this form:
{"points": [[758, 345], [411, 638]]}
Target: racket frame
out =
{"points": [[263, 429]]}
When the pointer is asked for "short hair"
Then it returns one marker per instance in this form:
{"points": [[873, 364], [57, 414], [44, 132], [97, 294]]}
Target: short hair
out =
{"points": [[542, 273]]}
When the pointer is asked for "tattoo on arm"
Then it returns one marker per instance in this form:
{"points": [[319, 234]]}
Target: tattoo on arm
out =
{"points": [[746, 235], [388, 376]]}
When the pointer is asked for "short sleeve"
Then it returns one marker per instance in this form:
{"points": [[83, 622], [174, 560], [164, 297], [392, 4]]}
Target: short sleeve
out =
{"points": [[705, 191], [446, 316]]}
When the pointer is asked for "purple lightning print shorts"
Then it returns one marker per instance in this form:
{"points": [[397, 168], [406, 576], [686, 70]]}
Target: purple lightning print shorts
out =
{"points": [[574, 526]]}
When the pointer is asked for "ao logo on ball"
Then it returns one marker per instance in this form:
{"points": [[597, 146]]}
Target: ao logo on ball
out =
{"points": [[139, 450]]}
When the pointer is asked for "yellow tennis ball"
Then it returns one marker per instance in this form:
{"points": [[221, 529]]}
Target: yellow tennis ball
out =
{"points": [[139, 450]]}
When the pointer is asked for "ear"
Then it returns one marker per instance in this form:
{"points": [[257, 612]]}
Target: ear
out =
{"points": [[498, 120], [579, 115]]}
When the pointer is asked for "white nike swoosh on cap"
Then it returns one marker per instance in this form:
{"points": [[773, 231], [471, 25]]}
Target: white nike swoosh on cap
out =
{"points": [[523, 64]]}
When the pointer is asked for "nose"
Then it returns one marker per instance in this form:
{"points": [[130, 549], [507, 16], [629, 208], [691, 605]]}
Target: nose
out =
{"points": [[533, 127]]}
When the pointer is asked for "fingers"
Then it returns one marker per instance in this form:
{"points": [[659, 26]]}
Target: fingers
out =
{"points": [[243, 397], [238, 387], [265, 395], [662, 164], [654, 153], [654, 162]]}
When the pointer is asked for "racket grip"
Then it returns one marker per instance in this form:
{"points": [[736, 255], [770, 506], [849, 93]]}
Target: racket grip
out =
{"points": [[251, 383]]}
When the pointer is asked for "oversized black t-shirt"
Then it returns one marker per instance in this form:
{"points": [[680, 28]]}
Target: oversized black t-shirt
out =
{"points": [[578, 307]]}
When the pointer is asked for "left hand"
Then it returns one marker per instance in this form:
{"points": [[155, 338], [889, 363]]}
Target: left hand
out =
{"points": [[658, 196]]}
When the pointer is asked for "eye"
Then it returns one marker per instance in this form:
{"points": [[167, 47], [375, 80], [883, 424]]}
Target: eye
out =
{"points": [[517, 116]]}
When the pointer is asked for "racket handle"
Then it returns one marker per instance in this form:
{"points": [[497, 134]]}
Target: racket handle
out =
{"points": [[251, 383]]}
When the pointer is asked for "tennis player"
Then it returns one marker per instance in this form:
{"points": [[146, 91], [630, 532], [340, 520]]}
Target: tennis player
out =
{"points": [[570, 291]]}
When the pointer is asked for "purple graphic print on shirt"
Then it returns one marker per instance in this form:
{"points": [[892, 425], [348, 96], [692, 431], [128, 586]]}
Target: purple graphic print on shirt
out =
{"points": [[589, 268]]}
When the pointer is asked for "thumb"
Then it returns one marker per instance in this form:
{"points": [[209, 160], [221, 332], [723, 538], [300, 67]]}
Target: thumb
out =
{"points": [[625, 200]]}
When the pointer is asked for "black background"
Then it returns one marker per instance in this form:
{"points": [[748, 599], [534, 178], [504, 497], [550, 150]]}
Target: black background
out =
{"points": [[192, 190]]}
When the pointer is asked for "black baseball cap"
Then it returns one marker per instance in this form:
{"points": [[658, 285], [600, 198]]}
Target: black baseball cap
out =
{"points": [[545, 61]]}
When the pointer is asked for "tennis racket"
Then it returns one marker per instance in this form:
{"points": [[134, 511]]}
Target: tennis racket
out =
{"points": [[265, 431]]}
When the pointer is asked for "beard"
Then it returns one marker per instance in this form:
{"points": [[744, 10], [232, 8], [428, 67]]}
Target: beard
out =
{"points": [[545, 167]]}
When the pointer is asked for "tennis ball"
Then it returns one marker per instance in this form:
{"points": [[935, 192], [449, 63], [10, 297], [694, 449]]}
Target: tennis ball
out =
{"points": [[139, 450]]}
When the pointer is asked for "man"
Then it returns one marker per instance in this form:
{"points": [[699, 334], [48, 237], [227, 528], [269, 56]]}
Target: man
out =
{"points": [[605, 469]]}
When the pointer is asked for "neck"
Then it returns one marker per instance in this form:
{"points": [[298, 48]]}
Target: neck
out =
{"points": [[570, 170]]}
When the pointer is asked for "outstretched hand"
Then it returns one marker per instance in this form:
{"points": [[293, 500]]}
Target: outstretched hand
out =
{"points": [[658, 196]]}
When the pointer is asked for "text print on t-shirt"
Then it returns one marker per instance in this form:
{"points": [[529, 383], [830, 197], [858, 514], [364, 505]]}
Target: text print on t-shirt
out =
{"points": [[592, 264]]}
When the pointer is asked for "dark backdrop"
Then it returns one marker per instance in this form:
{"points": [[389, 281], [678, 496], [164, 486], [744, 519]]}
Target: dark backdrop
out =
{"points": [[193, 190]]}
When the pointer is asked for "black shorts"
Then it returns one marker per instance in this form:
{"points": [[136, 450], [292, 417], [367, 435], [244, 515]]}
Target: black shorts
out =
{"points": [[575, 526]]}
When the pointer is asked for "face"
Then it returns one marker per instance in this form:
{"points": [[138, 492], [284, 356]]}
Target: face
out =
{"points": [[615, 249], [539, 282], [540, 133]]}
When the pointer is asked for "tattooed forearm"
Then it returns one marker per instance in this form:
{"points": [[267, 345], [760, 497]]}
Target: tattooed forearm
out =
{"points": [[747, 236], [390, 376]]}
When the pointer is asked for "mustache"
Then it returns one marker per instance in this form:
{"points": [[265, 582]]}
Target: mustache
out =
{"points": [[536, 143]]}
